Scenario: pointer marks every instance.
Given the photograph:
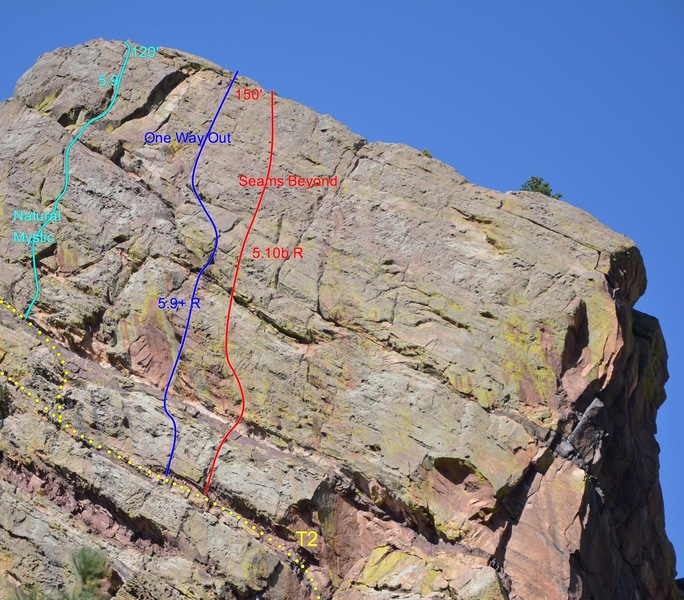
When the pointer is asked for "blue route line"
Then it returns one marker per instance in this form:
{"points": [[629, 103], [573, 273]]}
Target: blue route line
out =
{"points": [[199, 276], [66, 175]]}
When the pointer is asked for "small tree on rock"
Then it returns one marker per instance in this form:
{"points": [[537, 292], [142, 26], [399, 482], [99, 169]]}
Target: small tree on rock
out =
{"points": [[92, 575], [5, 403], [537, 184]]}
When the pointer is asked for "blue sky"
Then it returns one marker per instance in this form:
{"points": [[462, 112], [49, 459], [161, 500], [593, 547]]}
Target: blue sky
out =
{"points": [[588, 95]]}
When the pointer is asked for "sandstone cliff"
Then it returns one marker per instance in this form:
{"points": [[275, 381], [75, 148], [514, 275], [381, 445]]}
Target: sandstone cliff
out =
{"points": [[450, 390]]}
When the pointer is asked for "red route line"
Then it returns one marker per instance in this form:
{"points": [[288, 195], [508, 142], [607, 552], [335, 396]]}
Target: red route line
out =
{"points": [[230, 305]]}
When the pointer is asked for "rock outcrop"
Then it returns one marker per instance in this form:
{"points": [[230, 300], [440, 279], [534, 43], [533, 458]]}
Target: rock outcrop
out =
{"points": [[450, 391]]}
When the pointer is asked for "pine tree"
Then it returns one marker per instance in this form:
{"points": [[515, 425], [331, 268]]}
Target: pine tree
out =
{"points": [[5, 403], [537, 184], [92, 574], [92, 571]]}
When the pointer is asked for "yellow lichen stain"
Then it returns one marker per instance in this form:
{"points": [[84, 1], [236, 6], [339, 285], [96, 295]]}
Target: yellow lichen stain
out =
{"points": [[518, 300], [46, 102], [383, 562], [174, 147], [407, 571], [137, 253], [399, 448], [498, 244], [603, 326], [525, 367], [195, 239], [463, 383]]}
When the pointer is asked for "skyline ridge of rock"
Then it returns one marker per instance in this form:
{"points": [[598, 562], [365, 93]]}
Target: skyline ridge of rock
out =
{"points": [[450, 387]]}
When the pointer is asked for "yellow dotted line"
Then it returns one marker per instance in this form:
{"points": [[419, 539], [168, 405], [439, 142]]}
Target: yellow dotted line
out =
{"points": [[186, 490], [46, 340], [202, 500]]}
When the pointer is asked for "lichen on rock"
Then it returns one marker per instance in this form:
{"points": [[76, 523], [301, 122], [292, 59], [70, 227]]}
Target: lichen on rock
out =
{"points": [[451, 388]]}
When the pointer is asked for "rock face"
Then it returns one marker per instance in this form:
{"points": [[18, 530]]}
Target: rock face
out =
{"points": [[450, 393]]}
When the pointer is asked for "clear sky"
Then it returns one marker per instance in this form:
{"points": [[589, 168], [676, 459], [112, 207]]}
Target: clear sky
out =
{"points": [[587, 94]]}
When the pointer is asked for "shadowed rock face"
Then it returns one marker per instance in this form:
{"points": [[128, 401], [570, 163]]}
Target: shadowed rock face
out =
{"points": [[451, 388]]}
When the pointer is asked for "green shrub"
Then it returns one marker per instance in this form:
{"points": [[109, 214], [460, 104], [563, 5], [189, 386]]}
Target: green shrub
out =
{"points": [[92, 571], [5, 403], [92, 574], [537, 184], [32, 594]]}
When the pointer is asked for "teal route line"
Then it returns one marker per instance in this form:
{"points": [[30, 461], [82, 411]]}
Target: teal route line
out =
{"points": [[66, 175]]}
